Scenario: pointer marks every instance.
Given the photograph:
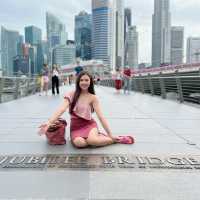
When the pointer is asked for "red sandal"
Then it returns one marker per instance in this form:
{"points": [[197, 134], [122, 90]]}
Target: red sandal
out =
{"points": [[125, 139]]}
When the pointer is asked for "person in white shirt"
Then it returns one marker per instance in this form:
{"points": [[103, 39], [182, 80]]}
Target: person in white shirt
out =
{"points": [[55, 80]]}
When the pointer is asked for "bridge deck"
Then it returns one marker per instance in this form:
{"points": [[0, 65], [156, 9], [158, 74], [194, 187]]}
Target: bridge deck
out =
{"points": [[161, 128]]}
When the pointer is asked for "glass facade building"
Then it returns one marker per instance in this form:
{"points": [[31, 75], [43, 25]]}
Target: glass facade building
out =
{"points": [[64, 54], [161, 33], [9, 43], [33, 35], [56, 34], [100, 15], [83, 35]]}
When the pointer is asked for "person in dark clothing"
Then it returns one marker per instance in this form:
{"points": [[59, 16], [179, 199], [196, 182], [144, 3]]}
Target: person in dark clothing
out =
{"points": [[78, 68], [55, 80]]}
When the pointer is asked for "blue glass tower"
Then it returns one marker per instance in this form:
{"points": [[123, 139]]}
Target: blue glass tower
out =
{"points": [[33, 35], [9, 41], [83, 35], [100, 15]]}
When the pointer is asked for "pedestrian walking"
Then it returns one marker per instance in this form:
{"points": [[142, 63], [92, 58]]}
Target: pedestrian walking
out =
{"points": [[78, 68], [118, 80], [44, 80], [127, 80], [55, 80]]}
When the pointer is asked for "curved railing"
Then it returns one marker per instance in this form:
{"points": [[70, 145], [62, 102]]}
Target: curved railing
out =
{"points": [[181, 88]]}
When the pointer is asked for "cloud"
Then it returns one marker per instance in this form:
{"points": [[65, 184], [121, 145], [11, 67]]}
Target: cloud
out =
{"points": [[15, 14]]}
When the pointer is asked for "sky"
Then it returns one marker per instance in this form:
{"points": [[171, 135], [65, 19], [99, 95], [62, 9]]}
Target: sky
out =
{"points": [[16, 14]]}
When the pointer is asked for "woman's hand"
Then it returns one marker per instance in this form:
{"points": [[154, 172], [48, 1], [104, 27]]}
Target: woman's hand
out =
{"points": [[43, 128]]}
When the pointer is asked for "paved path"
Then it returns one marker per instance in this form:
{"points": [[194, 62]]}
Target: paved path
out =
{"points": [[163, 129]]}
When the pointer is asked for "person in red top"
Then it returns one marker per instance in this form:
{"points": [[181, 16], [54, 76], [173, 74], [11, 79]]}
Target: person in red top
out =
{"points": [[127, 79]]}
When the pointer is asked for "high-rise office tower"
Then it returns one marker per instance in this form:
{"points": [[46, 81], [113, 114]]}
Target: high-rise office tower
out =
{"points": [[9, 41], [116, 34], [33, 35], [83, 35], [64, 54], [1, 72], [100, 15], [161, 31], [193, 50], [56, 33], [127, 24], [132, 52], [177, 44]]}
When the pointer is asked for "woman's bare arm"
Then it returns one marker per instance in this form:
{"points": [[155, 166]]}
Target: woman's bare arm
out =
{"points": [[61, 109], [99, 113]]}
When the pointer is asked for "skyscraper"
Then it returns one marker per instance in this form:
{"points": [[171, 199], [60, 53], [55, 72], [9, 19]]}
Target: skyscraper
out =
{"points": [[20, 45], [100, 14], [116, 34], [177, 44], [83, 35], [64, 54], [56, 34], [33, 35], [193, 50], [161, 31], [9, 41], [132, 51], [127, 24], [1, 73]]}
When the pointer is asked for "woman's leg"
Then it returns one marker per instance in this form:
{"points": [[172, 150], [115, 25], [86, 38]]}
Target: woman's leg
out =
{"points": [[41, 85], [79, 142], [53, 85], [96, 139], [57, 85], [46, 88]]}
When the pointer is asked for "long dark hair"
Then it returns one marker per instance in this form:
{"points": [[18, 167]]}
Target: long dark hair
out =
{"points": [[78, 89]]}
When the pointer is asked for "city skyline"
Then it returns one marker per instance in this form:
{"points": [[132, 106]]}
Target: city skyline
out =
{"points": [[184, 13]]}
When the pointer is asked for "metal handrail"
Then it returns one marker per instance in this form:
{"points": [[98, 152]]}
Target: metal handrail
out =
{"points": [[17, 87], [180, 88]]}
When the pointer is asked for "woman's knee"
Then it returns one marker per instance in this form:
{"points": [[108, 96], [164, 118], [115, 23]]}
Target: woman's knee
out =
{"points": [[80, 142]]}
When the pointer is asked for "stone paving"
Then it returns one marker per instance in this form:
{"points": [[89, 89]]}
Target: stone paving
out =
{"points": [[163, 129]]}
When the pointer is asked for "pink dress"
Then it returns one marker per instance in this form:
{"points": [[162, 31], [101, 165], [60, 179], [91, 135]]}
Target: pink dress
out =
{"points": [[81, 119]]}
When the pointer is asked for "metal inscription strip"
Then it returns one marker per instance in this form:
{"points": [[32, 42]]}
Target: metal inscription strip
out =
{"points": [[104, 162]]}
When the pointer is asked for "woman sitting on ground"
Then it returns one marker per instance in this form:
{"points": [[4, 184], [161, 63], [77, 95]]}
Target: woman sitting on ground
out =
{"points": [[83, 128]]}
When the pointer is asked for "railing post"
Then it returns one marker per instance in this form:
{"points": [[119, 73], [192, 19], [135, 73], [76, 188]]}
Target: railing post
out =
{"points": [[35, 85], [27, 86], [141, 84], [162, 86], [16, 92], [179, 89], [135, 85], [1, 89], [150, 84]]}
